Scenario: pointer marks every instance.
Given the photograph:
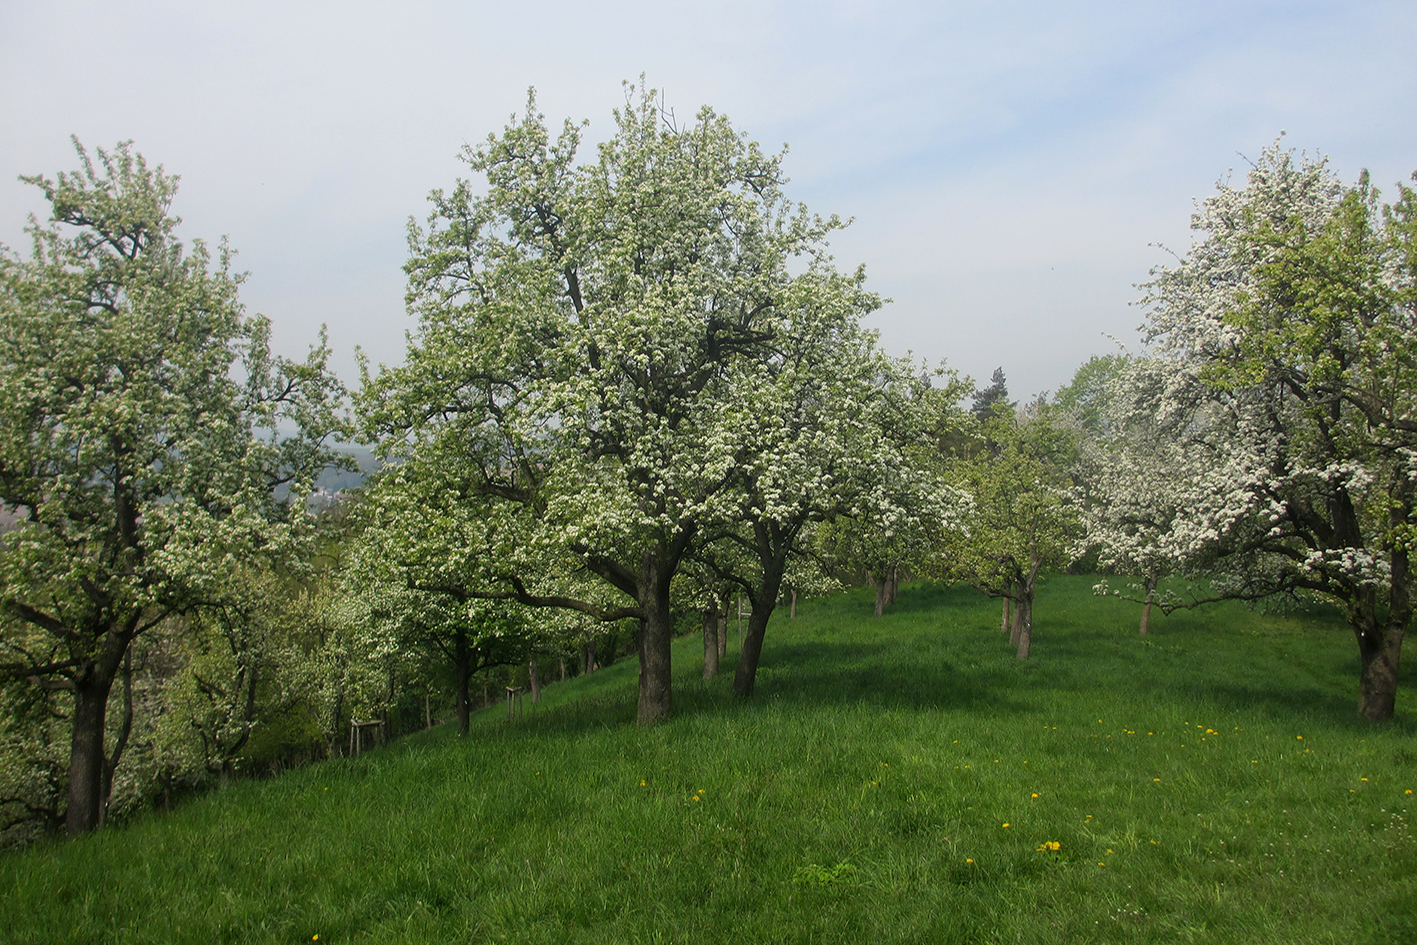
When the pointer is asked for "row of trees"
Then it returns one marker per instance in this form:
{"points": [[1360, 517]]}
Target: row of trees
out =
{"points": [[638, 389]]}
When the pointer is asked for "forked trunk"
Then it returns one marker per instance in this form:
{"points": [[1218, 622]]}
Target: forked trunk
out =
{"points": [[88, 762], [711, 641]]}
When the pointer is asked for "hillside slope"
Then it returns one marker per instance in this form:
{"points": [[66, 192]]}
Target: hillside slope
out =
{"points": [[900, 779]]}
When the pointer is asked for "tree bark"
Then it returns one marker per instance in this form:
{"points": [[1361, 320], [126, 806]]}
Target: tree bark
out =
{"points": [[711, 640], [793, 614], [653, 640], [1377, 691], [87, 759], [533, 679], [110, 761], [1024, 621], [1146, 605], [880, 595], [763, 603], [1006, 625], [1380, 645], [722, 631]]}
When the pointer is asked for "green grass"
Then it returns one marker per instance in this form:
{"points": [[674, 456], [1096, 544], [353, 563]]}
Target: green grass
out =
{"points": [[1217, 769]]}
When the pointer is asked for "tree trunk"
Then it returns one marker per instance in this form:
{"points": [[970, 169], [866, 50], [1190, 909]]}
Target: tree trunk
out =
{"points": [[656, 633], [1377, 692], [86, 758], [793, 614], [722, 631], [563, 670], [765, 600], [1006, 626], [533, 679], [1380, 645], [880, 595], [892, 583], [110, 761], [427, 709], [1024, 622], [462, 662], [711, 641], [1146, 605]]}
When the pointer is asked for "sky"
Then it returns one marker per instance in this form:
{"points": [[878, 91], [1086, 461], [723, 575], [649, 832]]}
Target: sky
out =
{"points": [[1013, 169]]}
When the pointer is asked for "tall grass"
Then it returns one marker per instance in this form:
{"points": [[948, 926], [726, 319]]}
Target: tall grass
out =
{"points": [[900, 779]]}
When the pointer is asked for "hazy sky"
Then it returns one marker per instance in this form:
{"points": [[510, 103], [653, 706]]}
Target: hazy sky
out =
{"points": [[1009, 165]]}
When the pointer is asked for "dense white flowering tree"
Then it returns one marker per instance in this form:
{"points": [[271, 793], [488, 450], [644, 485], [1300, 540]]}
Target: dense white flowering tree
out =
{"points": [[1280, 405], [581, 329], [1023, 516], [426, 544], [138, 418], [827, 427]]}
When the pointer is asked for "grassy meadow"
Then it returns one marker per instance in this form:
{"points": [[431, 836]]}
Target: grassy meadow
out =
{"points": [[901, 779]]}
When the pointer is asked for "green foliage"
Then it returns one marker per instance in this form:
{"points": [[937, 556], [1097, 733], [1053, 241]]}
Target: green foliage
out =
{"points": [[899, 746], [603, 350], [1274, 424], [148, 437]]}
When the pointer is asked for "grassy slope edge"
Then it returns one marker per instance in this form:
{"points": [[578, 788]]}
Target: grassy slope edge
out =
{"points": [[893, 781]]}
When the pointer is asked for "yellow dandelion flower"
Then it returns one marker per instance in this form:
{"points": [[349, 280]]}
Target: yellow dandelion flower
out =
{"points": [[968, 860], [1005, 825], [1409, 790], [642, 782], [1109, 851], [1035, 795], [1050, 846], [1299, 737], [1100, 863], [1156, 779]]}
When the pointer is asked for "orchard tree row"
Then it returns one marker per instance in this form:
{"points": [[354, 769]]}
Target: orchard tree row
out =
{"points": [[638, 391]]}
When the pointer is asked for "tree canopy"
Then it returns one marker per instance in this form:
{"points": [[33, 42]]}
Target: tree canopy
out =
{"points": [[147, 438], [592, 340], [1281, 384]]}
